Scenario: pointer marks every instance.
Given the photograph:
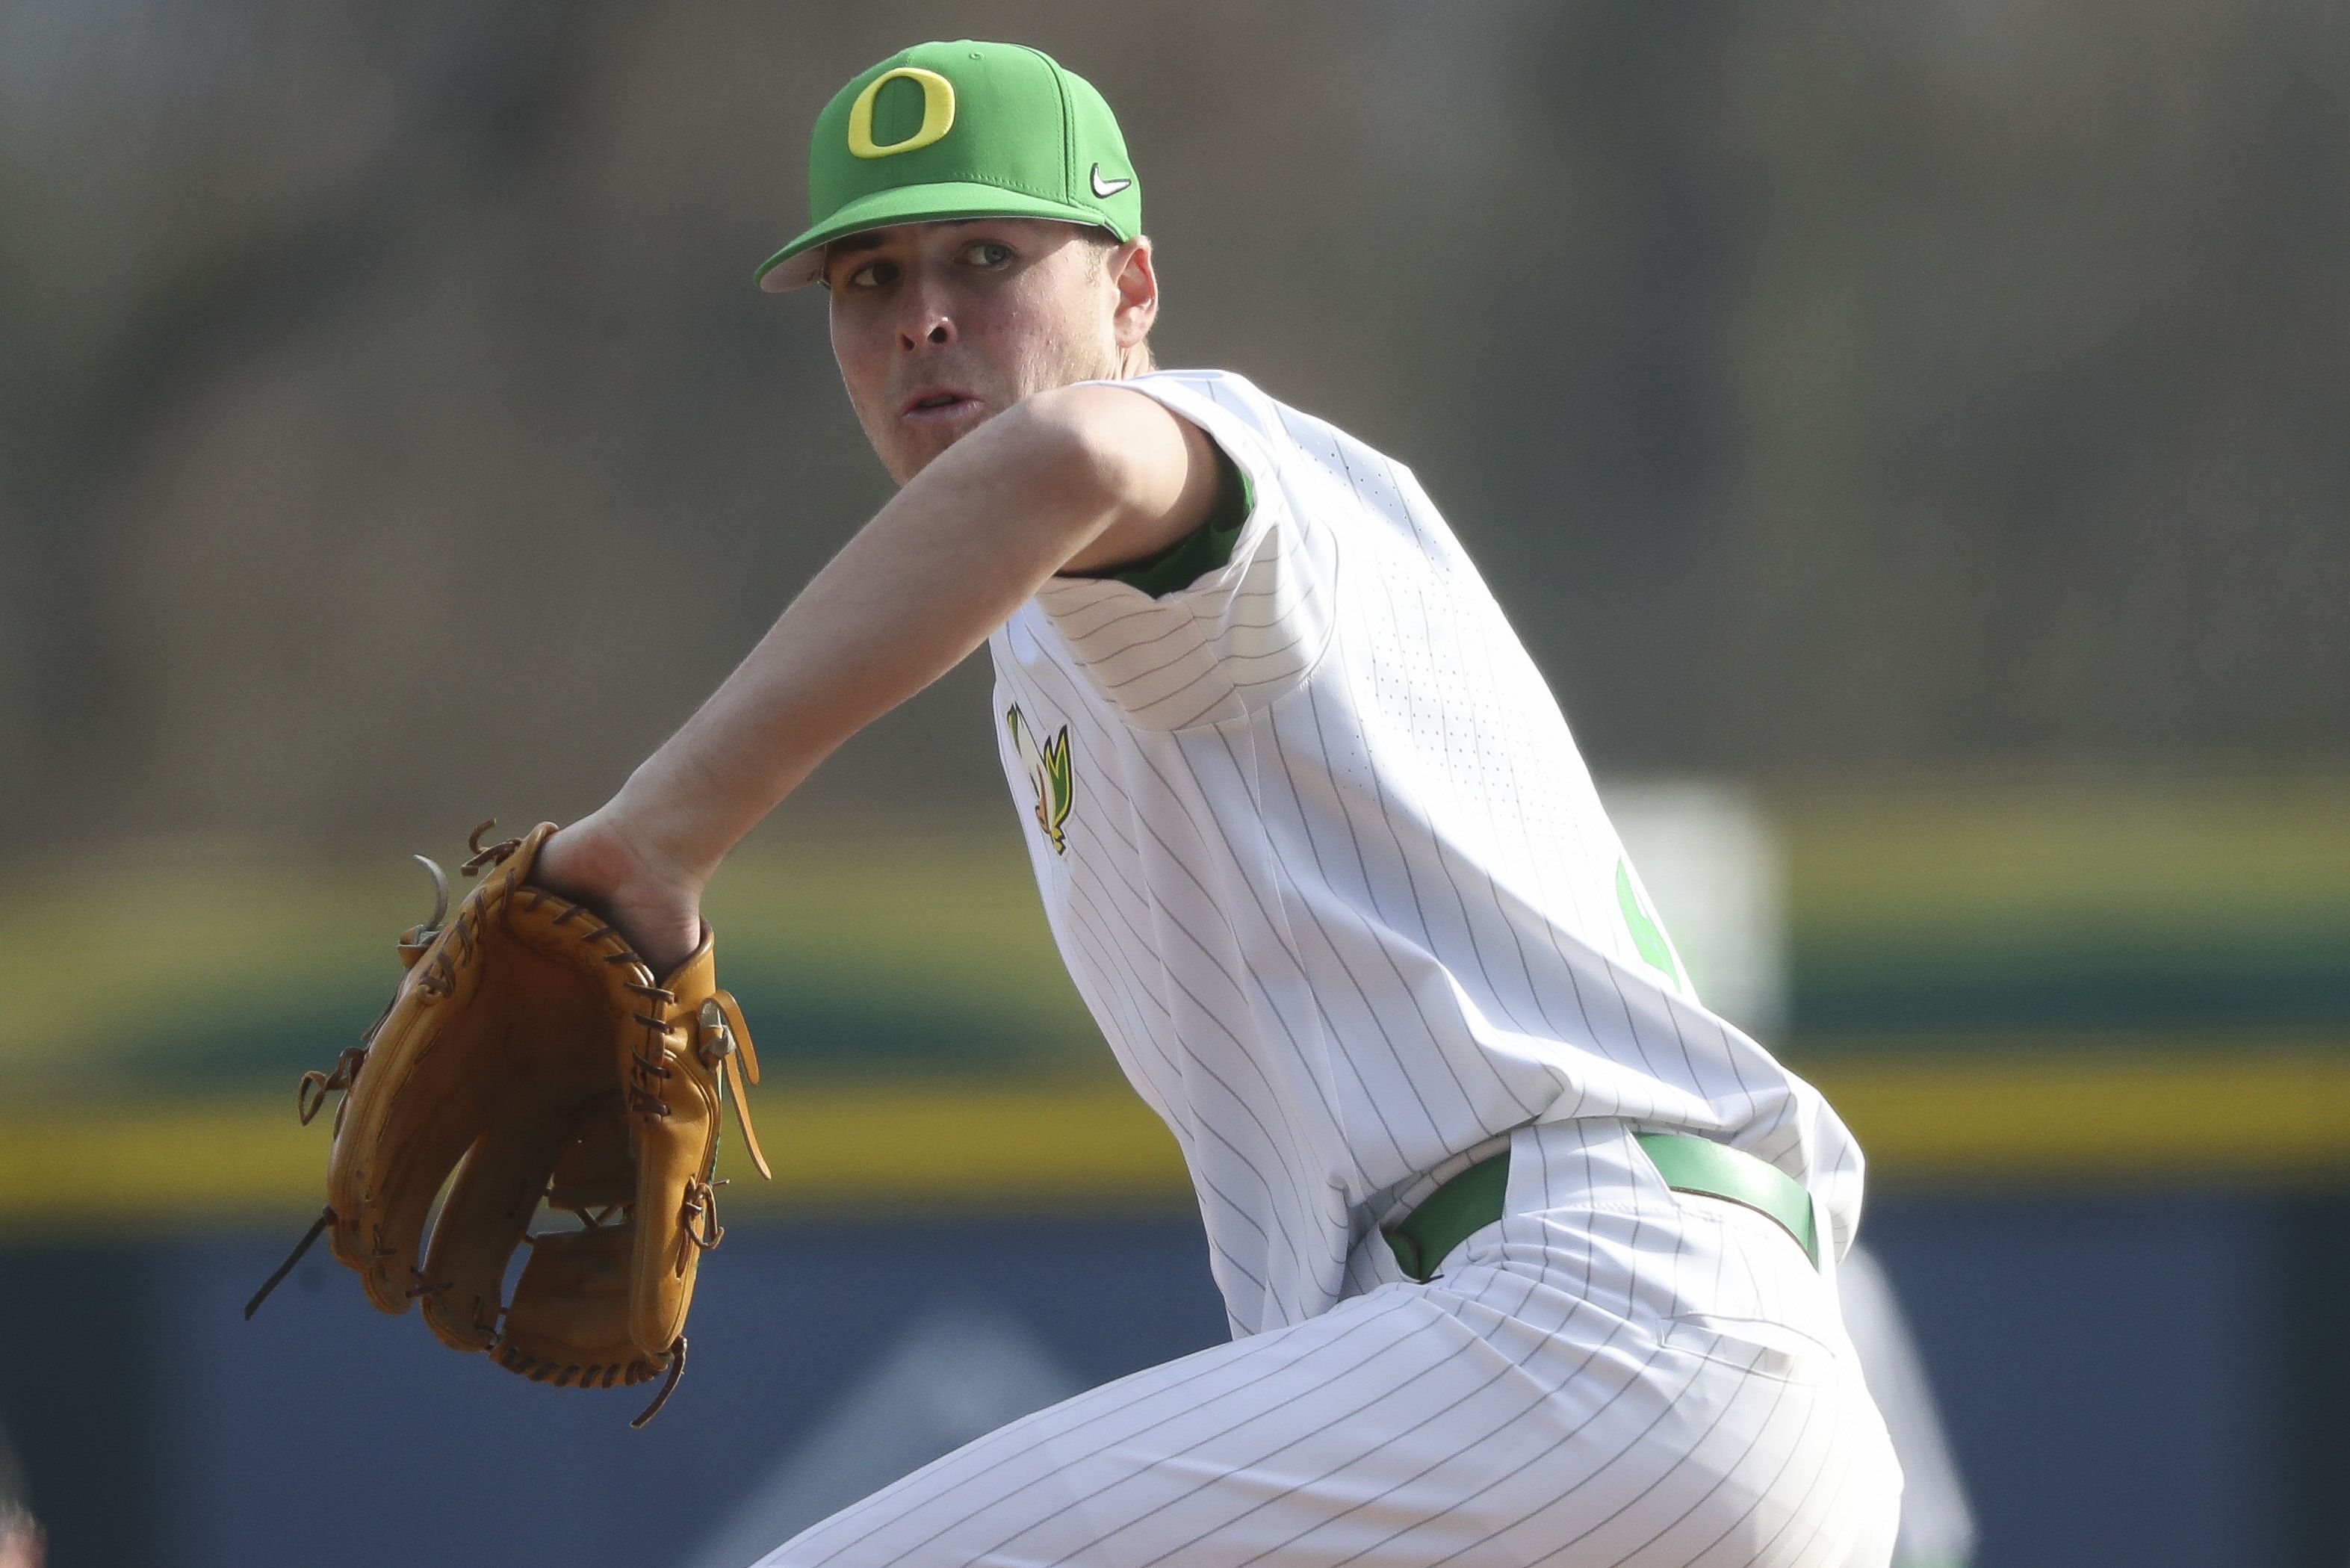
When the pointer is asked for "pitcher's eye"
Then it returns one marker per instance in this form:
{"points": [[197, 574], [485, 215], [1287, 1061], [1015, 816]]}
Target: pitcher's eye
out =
{"points": [[987, 253], [872, 275]]}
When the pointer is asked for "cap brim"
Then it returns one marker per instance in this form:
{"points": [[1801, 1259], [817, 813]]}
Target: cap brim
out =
{"points": [[802, 261]]}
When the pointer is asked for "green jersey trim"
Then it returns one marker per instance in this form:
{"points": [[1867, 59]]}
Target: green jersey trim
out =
{"points": [[1204, 548]]}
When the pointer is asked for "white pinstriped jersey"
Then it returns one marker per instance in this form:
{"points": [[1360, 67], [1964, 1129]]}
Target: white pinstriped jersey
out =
{"points": [[1330, 874]]}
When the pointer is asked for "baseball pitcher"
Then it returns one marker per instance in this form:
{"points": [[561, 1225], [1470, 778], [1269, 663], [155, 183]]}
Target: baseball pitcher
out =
{"points": [[1529, 1257]]}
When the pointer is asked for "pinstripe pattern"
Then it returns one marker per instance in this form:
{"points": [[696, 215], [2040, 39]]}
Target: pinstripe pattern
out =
{"points": [[1333, 879], [1623, 1378], [1337, 885]]}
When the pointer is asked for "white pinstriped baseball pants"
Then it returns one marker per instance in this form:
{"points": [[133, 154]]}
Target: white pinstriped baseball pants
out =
{"points": [[1612, 1374]]}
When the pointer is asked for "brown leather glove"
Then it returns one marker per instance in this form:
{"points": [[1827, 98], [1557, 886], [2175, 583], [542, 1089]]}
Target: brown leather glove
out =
{"points": [[529, 1048]]}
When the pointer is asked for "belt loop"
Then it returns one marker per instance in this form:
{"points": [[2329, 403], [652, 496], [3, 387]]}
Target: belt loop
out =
{"points": [[1693, 1164]]}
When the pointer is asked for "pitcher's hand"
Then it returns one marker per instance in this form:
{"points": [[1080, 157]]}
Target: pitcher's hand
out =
{"points": [[596, 862]]}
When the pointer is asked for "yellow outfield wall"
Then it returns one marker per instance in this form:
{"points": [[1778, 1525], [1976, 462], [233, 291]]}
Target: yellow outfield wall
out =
{"points": [[1962, 1123]]}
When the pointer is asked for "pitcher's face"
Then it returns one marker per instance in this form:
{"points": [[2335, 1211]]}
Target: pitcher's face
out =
{"points": [[939, 326]]}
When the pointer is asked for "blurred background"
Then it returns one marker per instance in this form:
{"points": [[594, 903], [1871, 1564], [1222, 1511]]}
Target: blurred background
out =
{"points": [[1910, 437]]}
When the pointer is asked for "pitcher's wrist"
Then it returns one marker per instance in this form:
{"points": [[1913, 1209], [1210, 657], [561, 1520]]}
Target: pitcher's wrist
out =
{"points": [[665, 845]]}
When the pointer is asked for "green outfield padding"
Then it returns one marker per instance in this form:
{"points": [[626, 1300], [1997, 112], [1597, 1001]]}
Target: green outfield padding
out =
{"points": [[1929, 921]]}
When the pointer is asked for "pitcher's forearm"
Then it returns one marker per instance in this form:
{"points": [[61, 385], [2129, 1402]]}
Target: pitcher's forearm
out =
{"points": [[937, 570]]}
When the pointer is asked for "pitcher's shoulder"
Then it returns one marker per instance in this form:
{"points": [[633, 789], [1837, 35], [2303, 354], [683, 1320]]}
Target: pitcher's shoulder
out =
{"points": [[1285, 429], [1232, 396]]}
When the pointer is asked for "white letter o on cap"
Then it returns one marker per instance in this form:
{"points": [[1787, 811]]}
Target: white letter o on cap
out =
{"points": [[938, 112]]}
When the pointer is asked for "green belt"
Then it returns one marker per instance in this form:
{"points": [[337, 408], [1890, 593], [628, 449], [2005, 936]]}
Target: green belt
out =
{"points": [[1472, 1199]]}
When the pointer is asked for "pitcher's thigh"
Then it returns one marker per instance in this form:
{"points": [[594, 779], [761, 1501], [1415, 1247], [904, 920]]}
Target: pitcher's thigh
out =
{"points": [[1388, 1432]]}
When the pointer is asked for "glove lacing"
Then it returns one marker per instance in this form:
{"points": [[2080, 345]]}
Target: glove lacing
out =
{"points": [[699, 1226]]}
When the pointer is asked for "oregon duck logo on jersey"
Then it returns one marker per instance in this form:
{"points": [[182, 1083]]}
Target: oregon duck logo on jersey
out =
{"points": [[1049, 775]]}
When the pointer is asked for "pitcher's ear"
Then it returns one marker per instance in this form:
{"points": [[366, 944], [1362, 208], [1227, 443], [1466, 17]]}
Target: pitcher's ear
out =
{"points": [[1135, 277]]}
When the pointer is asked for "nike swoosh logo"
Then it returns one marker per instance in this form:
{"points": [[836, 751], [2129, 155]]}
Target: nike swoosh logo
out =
{"points": [[1107, 188]]}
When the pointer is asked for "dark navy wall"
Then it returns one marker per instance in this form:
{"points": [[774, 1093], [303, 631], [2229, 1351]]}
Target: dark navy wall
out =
{"points": [[2105, 1367], [2142, 1380], [281, 1424]]}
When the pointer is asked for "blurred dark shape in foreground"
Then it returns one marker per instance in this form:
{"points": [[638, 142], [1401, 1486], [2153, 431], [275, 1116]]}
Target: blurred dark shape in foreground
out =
{"points": [[21, 1542]]}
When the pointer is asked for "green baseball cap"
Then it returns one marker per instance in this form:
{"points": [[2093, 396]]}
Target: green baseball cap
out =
{"points": [[964, 130]]}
